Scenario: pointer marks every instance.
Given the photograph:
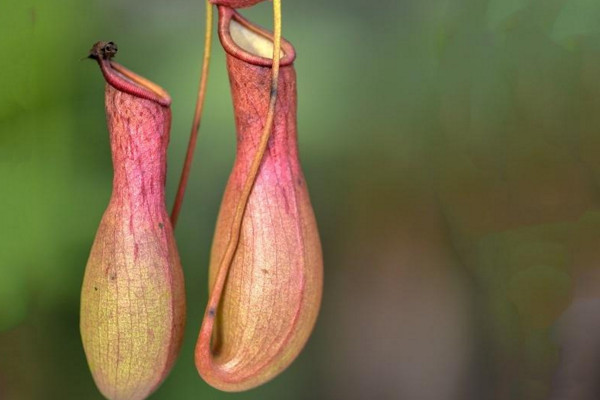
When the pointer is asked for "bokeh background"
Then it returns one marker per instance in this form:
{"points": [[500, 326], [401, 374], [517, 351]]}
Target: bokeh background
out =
{"points": [[452, 151]]}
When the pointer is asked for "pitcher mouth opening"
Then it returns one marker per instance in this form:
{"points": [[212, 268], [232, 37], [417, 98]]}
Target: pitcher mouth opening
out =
{"points": [[124, 79], [140, 81], [249, 42]]}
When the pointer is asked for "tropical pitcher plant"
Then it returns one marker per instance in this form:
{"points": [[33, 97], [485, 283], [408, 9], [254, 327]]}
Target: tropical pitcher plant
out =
{"points": [[265, 272]]}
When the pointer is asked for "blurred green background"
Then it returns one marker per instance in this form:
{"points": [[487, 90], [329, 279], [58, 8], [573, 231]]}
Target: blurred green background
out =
{"points": [[452, 150]]}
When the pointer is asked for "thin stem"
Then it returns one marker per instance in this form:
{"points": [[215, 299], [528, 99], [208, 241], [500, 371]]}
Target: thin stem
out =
{"points": [[189, 156], [217, 290]]}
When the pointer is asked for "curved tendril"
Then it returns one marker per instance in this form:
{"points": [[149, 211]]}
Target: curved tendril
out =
{"points": [[217, 290], [185, 172]]}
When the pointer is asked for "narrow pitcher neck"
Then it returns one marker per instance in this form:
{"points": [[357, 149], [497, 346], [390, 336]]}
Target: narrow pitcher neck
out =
{"points": [[249, 63], [139, 135], [250, 86]]}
